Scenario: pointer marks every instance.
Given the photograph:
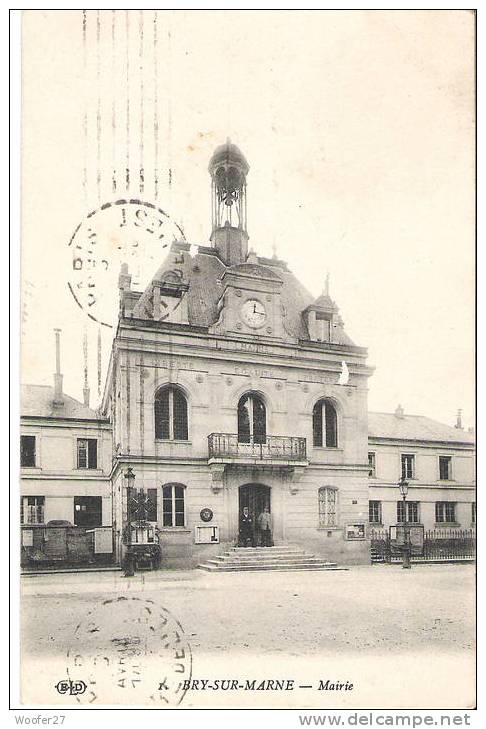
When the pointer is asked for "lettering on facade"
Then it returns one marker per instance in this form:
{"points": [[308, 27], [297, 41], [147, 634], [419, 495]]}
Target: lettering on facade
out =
{"points": [[319, 379], [175, 364], [245, 347]]}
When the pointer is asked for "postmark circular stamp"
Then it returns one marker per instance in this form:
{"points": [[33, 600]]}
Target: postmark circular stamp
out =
{"points": [[127, 231], [130, 651]]}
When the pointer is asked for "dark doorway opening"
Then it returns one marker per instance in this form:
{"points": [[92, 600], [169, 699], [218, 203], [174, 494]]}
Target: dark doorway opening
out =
{"points": [[255, 496], [87, 511]]}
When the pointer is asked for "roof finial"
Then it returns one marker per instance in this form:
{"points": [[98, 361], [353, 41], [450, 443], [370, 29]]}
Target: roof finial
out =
{"points": [[459, 420], [399, 412]]}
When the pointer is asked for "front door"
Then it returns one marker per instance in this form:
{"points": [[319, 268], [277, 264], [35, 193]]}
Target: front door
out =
{"points": [[255, 496]]}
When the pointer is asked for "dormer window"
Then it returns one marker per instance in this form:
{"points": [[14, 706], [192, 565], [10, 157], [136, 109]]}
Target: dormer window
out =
{"points": [[323, 327]]}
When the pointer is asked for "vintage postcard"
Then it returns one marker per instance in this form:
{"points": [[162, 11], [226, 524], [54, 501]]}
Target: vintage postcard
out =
{"points": [[247, 445]]}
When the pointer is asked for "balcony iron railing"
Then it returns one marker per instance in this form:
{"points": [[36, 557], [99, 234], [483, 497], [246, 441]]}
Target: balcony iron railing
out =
{"points": [[275, 448]]}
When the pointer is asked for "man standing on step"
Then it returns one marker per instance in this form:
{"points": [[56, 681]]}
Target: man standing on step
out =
{"points": [[265, 527], [246, 529]]}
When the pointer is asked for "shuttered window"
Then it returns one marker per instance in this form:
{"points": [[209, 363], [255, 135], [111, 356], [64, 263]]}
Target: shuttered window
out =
{"points": [[87, 453]]}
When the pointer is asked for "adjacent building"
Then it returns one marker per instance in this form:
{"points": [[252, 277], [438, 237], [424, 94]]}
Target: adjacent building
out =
{"points": [[65, 464], [437, 460]]}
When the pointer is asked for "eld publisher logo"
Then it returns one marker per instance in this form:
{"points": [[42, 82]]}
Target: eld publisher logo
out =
{"points": [[73, 688]]}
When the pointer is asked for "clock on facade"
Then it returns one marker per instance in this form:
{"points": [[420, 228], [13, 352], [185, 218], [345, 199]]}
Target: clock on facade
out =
{"points": [[253, 313]]}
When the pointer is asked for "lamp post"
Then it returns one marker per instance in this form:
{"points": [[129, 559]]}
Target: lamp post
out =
{"points": [[403, 486], [129, 566]]}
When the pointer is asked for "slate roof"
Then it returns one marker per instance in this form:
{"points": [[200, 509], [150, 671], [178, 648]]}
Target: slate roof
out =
{"points": [[254, 269], [414, 427], [38, 401], [203, 273], [325, 301]]}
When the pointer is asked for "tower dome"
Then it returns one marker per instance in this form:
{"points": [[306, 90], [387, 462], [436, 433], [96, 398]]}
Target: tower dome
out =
{"points": [[228, 154], [228, 169]]}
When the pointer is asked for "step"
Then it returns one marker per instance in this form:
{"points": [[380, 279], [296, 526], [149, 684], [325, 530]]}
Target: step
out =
{"points": [[256, 557], [281, 567], [249, 562], [280, 547]]}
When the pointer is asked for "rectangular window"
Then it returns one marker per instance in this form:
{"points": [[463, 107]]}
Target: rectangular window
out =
{"points": [[173, 505], [32, 509], [408, 465], [445, 468], [327, 507], [27, 451], [375, 512], [372, 465], [87, 511], [445, 512], [87, 453], [413, 516]]}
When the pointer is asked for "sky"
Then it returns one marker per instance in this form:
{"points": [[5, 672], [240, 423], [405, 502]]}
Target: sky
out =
{"points": [[358, 127]]}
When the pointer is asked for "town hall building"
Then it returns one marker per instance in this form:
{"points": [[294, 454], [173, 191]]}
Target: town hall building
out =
{"points": [[230, 386]]}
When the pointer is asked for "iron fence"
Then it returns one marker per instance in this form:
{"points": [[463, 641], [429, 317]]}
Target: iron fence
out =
{"points": [[439, 544]]}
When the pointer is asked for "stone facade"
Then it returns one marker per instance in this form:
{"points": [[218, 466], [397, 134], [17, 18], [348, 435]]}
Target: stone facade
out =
{"points": [[442, 463], [214, 373], [52, 471], [229, 385]]}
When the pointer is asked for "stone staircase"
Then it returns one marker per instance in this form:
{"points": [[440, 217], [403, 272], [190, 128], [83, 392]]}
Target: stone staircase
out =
{"points": [[279, 558]]}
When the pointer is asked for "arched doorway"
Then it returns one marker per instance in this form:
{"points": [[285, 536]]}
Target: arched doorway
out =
{"points": [[255, 496]]}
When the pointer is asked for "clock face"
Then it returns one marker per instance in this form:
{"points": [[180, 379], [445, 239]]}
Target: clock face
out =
{"points": [[253, 313]]}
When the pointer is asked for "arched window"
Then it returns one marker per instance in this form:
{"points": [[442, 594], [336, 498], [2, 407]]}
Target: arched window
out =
{"points": [[328, 497], [170, 409], [173, 511], [324, 424], [252, 417]]}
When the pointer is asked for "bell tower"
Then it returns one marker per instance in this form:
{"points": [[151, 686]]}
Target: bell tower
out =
{"points": [[228, 169]]}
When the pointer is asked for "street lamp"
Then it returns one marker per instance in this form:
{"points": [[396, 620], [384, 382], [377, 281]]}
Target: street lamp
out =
{"points": [[130, 481], [403, 486]]}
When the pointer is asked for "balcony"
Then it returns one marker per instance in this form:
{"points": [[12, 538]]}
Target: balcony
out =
{"points": [[276, 450]]}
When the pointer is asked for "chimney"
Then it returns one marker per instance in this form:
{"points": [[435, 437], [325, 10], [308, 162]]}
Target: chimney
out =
{"points": [[399, 412], [58, 397], [125, 278], [458, 424], [85, 356]]}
